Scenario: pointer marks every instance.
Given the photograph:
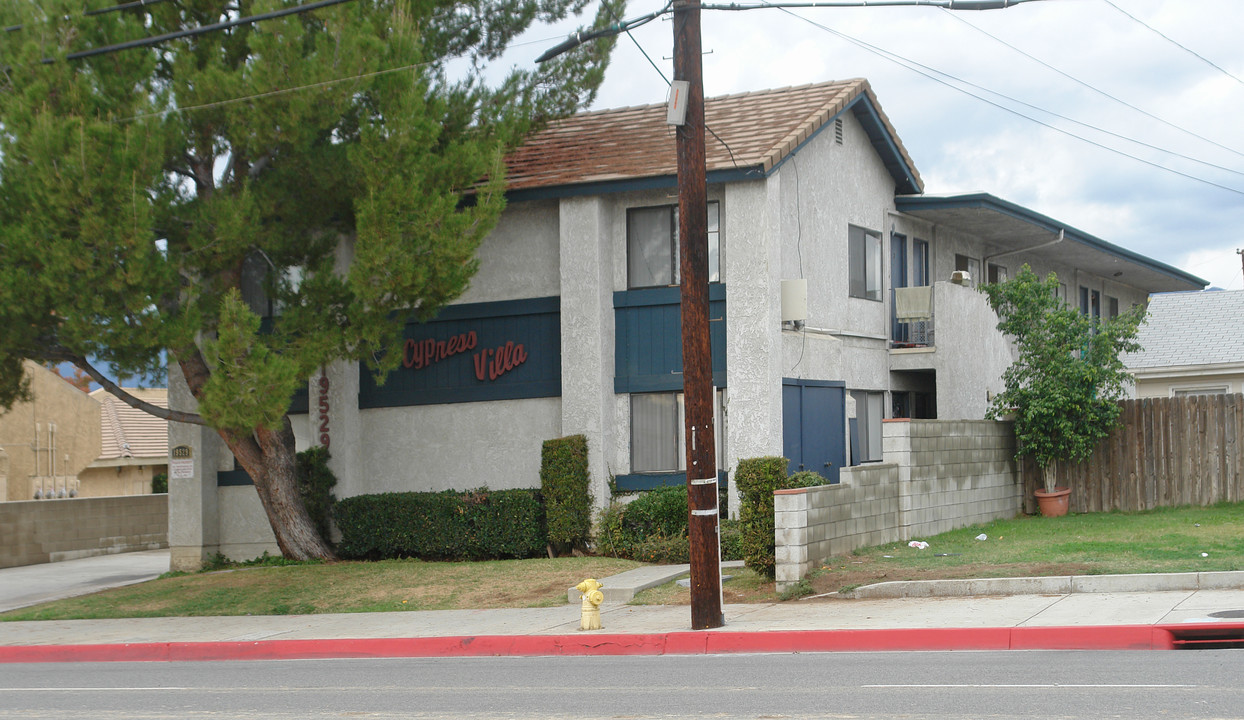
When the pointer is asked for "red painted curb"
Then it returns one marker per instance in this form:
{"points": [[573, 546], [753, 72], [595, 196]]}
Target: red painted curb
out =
{"points": [[1113, 637]]}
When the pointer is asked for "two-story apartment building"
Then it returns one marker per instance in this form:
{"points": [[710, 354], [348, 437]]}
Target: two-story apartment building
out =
{"points": [[832, 299]]}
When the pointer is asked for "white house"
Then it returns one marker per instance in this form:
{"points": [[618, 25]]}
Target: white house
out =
{"points": [[1191, 345], [572, 326]]}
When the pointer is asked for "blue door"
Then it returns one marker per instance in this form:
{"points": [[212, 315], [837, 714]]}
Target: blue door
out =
{"points": [[813, 416]]}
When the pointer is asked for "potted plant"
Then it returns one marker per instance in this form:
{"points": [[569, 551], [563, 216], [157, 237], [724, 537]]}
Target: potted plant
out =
{"points": [[1064, 386]]}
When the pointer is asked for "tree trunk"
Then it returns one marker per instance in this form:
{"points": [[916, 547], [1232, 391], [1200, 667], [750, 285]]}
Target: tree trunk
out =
{"points": [[268, 457], [1049, 475]]}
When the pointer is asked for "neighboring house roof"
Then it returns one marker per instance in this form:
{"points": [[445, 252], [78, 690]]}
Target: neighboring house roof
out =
{"points": [[1193, 328], [1011, 229], [751, 135], [128, 434]]}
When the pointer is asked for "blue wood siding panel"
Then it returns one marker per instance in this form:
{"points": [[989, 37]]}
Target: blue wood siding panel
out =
{"points": [[473, 336], [648, 338]]}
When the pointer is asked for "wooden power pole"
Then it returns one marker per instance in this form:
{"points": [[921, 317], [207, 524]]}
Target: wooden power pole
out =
{"points": [[701, 447]]}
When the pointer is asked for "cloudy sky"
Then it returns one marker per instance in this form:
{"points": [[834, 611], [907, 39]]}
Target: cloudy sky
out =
{"points": [[1087, 111]]}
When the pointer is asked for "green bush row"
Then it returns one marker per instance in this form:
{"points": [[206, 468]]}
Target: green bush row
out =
{"points": [[757, 478], [450, 525], [564, 481]]}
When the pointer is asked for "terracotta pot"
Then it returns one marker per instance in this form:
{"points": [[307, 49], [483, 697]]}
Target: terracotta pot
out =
{"points": [[1053, 504]]}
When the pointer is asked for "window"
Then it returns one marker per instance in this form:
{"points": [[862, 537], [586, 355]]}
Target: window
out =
{"points": [[869, 413], [970, 265], [1112, 307], [919, 262], [864, 259], [1062, 292], [997, 273], [652, 246], [1090, 302], [1215, 390], [658, 428]]}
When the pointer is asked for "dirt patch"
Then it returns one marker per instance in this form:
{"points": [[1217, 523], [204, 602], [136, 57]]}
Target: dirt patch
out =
{"points": [[844, 573]]}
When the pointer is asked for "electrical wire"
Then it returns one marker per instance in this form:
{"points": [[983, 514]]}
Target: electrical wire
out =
{"points": [[1167, 38], [928, 73], [1099, 91], [201, 30]]}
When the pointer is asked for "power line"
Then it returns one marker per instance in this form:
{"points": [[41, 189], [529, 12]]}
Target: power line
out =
{"points": [[920, 69], [1167, 38], [1095, 89], [201, 30]]}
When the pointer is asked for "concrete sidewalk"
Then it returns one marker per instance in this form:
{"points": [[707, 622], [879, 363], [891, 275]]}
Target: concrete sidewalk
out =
{"points": [[1131, 611]]}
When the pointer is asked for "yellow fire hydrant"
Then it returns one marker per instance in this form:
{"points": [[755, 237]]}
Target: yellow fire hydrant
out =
{"points": [[592, 598]]}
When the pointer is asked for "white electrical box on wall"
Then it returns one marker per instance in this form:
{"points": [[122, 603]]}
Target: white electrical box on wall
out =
{"points": [[794, 300], [676, 112]]}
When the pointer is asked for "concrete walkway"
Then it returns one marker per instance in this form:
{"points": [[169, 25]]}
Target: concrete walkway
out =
{"points": [[1156, 611], [33, 584]]}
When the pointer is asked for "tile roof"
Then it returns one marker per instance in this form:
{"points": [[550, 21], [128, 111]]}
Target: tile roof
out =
{"points": [[126, 432], [760, 129], [1192, 328]]}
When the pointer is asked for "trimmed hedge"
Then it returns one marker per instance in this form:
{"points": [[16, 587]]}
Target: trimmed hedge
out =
{"points": [[757, 478], [450, 525], [564, 481]]}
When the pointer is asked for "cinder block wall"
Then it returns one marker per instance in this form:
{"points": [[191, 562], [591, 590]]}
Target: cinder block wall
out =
{"points": [[41, 531], [936, 476]]}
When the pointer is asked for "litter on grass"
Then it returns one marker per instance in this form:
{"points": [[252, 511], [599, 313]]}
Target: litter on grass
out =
{"points": [[918, 544], [982, 536]]}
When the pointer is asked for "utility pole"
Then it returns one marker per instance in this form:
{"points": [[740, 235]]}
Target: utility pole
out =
{"points": [[1241, 254], [697, 364]]}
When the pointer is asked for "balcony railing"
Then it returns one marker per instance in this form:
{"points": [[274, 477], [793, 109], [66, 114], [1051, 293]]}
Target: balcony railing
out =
{"points": [[911, 315]]}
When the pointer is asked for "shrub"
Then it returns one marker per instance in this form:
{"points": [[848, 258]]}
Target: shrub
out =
{"points": [[450, 525], [731, 535], [159, 483], [757, 478], [653, 528], [657, 512], [315, 484], [564, 481]]}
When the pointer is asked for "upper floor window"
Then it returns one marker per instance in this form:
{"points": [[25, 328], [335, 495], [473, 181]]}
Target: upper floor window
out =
{"points": [[997, 273], [652, 246], [919, 262], [864, 261], [1090, 302]]}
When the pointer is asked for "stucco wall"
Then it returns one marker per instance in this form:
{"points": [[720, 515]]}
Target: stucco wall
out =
{"points": [[42, 531], [824, 190], [970, 354], [458, 447], [37, 454], [119, 480]]}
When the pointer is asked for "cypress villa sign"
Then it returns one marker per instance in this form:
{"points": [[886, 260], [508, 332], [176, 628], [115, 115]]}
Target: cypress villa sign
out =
{"points": [[489, 364], [475, 353]]}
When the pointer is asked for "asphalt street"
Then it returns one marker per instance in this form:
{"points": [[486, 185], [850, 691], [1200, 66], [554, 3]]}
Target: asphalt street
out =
{"points": [[910, 685]]}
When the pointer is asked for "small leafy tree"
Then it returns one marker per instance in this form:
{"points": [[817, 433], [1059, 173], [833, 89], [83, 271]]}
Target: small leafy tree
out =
{"points": [[1065, 385]]}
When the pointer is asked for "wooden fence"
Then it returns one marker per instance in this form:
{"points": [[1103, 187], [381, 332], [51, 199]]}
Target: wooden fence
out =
{"points": [[1168, 451]]}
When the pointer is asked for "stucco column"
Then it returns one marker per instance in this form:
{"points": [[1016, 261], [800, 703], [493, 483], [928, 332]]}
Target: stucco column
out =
{"points": [[193, 513], [333, 419], [753, 323], [587, 332]]}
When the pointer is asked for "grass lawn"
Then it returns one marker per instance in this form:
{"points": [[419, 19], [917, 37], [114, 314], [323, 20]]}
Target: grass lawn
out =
{"points": [[1183, 539], [1163, 540], [342, 587]]}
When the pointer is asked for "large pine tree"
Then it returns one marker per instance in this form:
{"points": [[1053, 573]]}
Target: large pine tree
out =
{"points": [[252, 202]]}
